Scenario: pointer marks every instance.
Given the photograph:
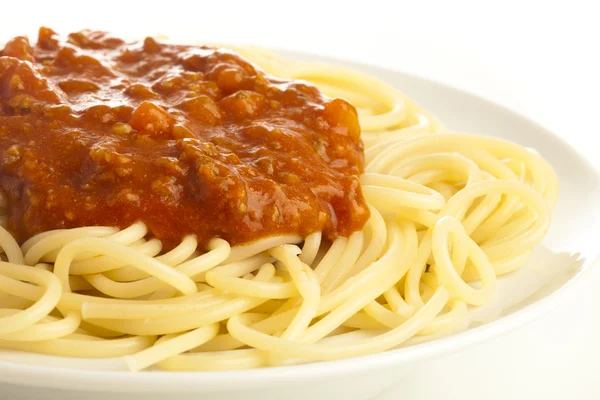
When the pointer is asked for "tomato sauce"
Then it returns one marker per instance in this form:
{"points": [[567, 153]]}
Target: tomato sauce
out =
{"points": [[95, 130]]}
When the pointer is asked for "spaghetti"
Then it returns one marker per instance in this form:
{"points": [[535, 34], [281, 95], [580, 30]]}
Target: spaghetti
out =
{"points": [[449, 212]]}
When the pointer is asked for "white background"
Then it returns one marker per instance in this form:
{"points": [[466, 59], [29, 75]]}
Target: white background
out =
{"points": [[537, 57]]}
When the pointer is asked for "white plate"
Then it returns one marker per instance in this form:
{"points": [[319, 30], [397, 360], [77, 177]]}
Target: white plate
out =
{"points": [[565, 255]]}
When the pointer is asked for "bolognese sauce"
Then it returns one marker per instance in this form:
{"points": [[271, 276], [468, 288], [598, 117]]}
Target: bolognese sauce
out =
{"points": [[188, 139]]}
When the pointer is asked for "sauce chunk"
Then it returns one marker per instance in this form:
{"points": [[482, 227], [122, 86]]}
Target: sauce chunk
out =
{"points": [[188, 139]]}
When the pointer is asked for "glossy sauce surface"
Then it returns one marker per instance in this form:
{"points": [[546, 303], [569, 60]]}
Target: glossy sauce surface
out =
{"points": [[187, 139]]}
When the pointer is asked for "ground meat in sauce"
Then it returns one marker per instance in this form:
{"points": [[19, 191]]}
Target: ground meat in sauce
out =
{"points": [[188, 139]]}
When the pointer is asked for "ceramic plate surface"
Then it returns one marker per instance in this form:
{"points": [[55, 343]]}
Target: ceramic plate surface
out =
{"points": [[568, 251]]}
